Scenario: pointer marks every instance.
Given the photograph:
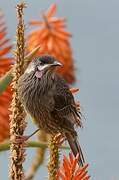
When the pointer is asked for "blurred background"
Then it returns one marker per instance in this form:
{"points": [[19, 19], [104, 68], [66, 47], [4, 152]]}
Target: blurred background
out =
{"points": [[95, 28]]}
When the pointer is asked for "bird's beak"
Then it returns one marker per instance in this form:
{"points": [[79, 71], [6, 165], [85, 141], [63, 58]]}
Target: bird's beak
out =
{"points": [[56, 63], [48, 66]]}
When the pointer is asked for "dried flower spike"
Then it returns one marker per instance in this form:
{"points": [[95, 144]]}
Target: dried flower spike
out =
{"points": [[17, 122], [54, 156]]}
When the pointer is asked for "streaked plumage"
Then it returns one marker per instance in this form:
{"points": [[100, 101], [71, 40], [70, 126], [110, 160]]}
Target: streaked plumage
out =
{"points": [[47, 98]]}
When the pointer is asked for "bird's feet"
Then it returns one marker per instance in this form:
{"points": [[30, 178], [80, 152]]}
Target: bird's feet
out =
{"points": [[16, 139]]}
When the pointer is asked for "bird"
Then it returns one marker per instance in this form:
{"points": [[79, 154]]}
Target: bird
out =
{"points": [[46, 96]]}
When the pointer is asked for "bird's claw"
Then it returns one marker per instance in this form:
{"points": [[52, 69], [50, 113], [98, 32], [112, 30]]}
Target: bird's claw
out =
{"points": [[20, 138]]}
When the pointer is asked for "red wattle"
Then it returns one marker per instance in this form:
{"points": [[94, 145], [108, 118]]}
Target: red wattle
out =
{"points": [[38, 74]]}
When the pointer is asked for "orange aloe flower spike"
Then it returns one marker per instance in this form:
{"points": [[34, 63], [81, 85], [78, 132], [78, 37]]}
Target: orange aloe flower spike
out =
{"points": [[54, 40], [66, 166], [5, 97], [70, 170]]}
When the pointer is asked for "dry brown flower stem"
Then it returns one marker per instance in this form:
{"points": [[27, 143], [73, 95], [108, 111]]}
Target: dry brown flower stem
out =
{"points": [[54, 157], [17, 117]]}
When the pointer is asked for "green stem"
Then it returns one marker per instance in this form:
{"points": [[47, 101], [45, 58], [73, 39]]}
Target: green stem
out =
{"points": [[30, 144]]}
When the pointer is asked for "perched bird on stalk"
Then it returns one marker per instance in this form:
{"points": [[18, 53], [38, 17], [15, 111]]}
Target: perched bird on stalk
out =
{"points": [[47, 98]]}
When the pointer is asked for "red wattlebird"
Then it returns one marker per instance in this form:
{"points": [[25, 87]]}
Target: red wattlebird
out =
{"points": [[47, 98]]}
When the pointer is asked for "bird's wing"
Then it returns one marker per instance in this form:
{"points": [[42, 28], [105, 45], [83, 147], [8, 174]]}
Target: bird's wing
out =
{"points": [[64, 104], [66, 113]]}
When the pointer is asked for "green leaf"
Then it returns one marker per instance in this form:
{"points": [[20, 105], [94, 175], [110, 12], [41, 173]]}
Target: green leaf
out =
{"points": [[4, 81]]}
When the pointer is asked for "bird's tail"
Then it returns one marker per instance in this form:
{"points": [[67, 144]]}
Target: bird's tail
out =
{"points": [[75, 147]]}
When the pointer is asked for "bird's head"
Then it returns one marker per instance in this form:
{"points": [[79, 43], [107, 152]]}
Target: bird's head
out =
{"points": [[43, 64]]}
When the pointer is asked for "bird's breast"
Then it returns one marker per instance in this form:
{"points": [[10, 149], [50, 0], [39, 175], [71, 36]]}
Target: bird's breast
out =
{"points": [[37, 98]]}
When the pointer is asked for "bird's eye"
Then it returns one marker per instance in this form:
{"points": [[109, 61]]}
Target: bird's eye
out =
{"points": [[41, 63]]}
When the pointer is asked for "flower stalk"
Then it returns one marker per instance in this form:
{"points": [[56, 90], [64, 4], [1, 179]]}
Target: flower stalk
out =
{"points": [[5, 146], [54, 157], [17, 117]]}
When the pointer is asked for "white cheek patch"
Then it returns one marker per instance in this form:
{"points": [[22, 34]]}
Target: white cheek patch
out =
{"points": [[30, 68], [40, 68]]}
